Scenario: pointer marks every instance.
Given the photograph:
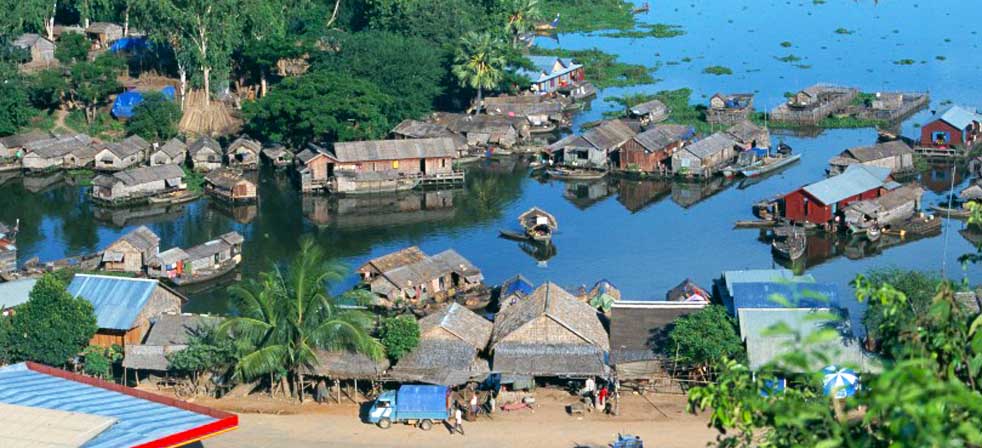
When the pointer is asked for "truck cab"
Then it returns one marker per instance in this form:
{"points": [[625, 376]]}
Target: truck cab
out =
{"points": [[383, 407]]}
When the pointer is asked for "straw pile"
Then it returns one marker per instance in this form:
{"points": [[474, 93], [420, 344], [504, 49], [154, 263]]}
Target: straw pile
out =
{"points": [[215, 119]]}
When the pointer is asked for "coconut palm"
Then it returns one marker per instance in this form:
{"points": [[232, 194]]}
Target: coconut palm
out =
{"points": [[522, 16], [285, 316], [479, 63]]}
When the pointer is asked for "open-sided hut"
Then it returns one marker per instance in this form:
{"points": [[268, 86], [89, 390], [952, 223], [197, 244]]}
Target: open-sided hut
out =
{"points": [[549, 334], [230, 185], [124, 307], [639, 336], [119, 156], [704, 157], [451, 340], [278, 156], [651, 151], [132, 251], [173, 152], [169, 333], [894, 155], [138, 183], [206, 154], [345, 365], [648, 112], [243, 153]]}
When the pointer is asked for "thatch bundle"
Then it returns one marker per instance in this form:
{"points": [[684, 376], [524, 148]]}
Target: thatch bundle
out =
{"points": [[213, 118]]}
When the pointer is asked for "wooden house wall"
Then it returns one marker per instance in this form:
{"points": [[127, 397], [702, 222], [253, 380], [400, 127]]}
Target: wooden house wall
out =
{"points": [[107, 160], [955, 135], [122, 191], [800, 206], [544, 330], [33, 161], [108, 338], [634, 154], [434, 165], [133, 259], [318, 168]]}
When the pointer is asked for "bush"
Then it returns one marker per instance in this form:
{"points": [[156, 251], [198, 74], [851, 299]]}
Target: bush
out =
{"points": [[99, 361], [400, 335], [155, 118], [718, 70], [72, 48], [52, 326], [705, 337]]}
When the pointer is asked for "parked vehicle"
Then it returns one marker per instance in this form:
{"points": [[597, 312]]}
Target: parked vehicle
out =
{"points": [[627, 441], [411, 404]]}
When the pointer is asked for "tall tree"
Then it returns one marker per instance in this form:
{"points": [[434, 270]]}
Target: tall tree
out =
{"points": [[289, 314], [52, 326], [479, 63], [522, 17], [265, 40], [72, 48], [93, 82], [15, 110], [36, 16], [89, 9], [155, 118]]}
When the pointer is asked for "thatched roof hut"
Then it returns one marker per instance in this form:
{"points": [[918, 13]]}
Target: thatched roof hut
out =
{"points": [[639, 334], [550, 333], [346, 365], [450, 342], [170, 333]]}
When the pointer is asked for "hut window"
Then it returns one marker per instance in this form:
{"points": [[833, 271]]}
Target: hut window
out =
{"points": [[443, 163], [395, 164], [940, 137]]}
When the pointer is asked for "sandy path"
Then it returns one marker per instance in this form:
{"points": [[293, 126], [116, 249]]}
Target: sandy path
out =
{"points": [[548, 426]]}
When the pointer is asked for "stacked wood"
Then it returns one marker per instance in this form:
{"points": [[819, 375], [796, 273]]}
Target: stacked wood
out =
{"points": [[213, 118]]}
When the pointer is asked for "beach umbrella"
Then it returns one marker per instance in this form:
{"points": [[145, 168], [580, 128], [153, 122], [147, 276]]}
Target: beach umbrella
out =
{"points": [[839, 382]]}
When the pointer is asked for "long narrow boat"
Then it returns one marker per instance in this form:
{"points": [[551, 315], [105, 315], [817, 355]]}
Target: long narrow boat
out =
{"points": [[565, 173], [956, 213], [768, 167]]}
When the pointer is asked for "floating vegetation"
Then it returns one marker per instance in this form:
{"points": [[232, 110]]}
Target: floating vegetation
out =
{"points": [[904, 62], [717, 70], [603, 69], [940, 58], [788, 58], [843, 31], [686, 59], [657, 30], [803, 66], [677, 101], [590, 15], [818, 2], [786, 44]]}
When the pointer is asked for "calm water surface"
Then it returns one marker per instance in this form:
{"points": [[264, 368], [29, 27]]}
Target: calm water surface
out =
{"points": [[643, 236]]}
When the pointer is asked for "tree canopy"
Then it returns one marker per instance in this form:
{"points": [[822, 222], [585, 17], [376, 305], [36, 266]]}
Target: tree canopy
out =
{"points": [[704, 338], [155, 118], [72, 48], [15, 109], [400, 335], [52, 326]]}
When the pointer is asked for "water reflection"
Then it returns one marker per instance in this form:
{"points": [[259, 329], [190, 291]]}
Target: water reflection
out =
{"points": [[635, 195], [687, 194], [371, 211], [585, 194], [823, 247], [135, 216]]}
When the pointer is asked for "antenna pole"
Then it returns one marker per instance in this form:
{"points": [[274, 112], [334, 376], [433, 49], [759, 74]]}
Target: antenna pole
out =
{"points": [[947, 224]]}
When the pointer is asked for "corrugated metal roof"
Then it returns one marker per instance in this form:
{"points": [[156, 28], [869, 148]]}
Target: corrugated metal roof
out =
{"points": [[797, 294], [855, 180], [27, 427], [394, 149], [762, 275], [117, 300], [763, 347], [957, 116], [16, 292], [713, 144], [138, 420]]}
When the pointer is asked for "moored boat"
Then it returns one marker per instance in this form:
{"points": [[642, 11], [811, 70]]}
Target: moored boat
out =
{"points": [[770, 164], [176, 197], [575, 174], [790, 243], [539, 224]]}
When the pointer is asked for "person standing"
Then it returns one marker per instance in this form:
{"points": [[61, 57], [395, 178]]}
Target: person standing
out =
{"points": [[459, 421], [474, 404], [602, 398]]}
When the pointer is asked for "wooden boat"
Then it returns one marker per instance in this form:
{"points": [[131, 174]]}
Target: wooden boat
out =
{"points": [[790, 243], [551, 26], [205, 276], [543, 129], [770, 164], [512, 235], [539, 224], [955, 213], [177, 197], [643, 8], [755, 224], [574, 174]]}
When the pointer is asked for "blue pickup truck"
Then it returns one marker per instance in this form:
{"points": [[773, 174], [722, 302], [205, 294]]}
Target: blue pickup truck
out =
{"points": [[413, 405]]}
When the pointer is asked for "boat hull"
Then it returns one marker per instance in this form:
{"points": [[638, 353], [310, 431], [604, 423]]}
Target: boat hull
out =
{"points": [[764, 169], [575, 174]]}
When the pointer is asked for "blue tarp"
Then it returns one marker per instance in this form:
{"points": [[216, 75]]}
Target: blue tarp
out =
{"points": [[799, 295], [517, 283], [411, 399], [129, 44], [126, 101]]}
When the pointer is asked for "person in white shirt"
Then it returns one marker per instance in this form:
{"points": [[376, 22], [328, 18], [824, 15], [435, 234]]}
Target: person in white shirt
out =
{"points": [[459, 419]]}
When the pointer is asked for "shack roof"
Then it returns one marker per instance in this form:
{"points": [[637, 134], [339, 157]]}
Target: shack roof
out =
{"points": [[878, 151], [394, 149], [518, 106], [570, 141], [141, 418], [141, 238], [174, 147], [461, 322], [552, 301], [311, 152], [169, 256], [731, 278], [344, 365], [638, 330], [456, 262], [662, 135], [118, 301], [763, 346], [420, 129], [28, 40], [775, 294], [226, 178], [103, 27], [16, 292], [178, 329], [532, 359], [544, 66], [609, 135], [276, 151], [442, 362], [142, 175], [244, 143], [647, 107], [19, 140], [711, 145], [58, 146], [204, 143], [745, 131], [133, 144], [208, 249], [395, 259], [957, 116], [972, 193], [857, 179]]}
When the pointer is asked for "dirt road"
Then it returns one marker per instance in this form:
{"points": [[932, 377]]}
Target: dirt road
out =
{"points": [[548, 426]]}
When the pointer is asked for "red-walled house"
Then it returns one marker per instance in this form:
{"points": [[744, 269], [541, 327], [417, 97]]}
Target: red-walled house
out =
{"points": [[955, 126], [820, 202]]}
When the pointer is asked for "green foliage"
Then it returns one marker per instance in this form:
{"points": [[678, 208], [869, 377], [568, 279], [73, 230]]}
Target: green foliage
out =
{"points": [[786, 44], [441, 22], [479, 62], [92, 83], [590, 15], [788, 58], [705, 338], [399, 335], [408, 69], [602, 301], [101, 125], [285, 315], [657, 30], [603, 69], [717, 70], [207, 351], [72, 48], [47, 88], [52, 326], [885, 327], [320, 106], [15, 111], [904, 62], [843, 31], [194, 180], [99, 361], [155, 118], [521, 17]]}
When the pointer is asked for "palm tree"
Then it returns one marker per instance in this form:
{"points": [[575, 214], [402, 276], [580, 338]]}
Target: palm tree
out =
{"points": [[479, 63], [285, 316], [522, 15]]}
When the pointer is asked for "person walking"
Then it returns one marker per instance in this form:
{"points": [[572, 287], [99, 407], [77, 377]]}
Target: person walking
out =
{"points": [[459, 421]]}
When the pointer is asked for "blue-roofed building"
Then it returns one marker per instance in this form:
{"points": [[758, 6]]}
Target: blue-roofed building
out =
{"points": [[517, 285], [552, 73], [96, 414], [821, 202], [782, 294], [765, 346], [124, 307], [15, 293], [954, 126], [723, 286]]}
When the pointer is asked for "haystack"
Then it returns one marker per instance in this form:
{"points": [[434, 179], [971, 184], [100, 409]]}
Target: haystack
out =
{"points": [[213, 119]]}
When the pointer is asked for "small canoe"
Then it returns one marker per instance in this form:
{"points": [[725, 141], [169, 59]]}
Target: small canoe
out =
{"points": [[956, 213], [511, 235], [755, 224], [562, 173], [768, 167], [177, 197]]}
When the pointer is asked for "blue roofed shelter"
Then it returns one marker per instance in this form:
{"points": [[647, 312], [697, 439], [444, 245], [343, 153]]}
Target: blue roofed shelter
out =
{"points": [[48, 407], [125, 102], [15, 293], [552, 73], [723, 287], [124, 307]]}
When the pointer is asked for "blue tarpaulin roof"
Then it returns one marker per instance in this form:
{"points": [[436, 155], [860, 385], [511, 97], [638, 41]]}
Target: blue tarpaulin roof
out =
{"points": [[129, 44], [138, 420], [515, 284], [126, 101], [117, 300]]}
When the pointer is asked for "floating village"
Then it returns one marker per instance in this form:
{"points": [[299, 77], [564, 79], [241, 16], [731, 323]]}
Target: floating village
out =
{"points": [[488, 345]]}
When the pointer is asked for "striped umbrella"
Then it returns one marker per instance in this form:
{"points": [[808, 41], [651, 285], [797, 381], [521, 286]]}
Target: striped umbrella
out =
{"points": [[840, 382]]}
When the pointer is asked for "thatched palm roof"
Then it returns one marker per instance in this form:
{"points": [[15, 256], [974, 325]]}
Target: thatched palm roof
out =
{"points": [[346, 365], [554, 302], [445, 362], [461, 322]]}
